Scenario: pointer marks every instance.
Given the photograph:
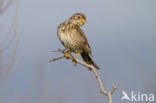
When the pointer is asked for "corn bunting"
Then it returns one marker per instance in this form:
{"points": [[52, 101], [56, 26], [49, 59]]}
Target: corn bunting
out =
{"points": [[74, 39]]}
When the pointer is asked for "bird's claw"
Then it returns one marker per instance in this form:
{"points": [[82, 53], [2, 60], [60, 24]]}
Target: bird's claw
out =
{"points": [[66, 55], [74, 62]]}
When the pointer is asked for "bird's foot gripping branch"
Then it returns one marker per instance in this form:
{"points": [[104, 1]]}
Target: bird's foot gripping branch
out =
{"points": [[90, 67]]}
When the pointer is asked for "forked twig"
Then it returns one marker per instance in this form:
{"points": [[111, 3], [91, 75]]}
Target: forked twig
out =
{"points": [[102, 90]]}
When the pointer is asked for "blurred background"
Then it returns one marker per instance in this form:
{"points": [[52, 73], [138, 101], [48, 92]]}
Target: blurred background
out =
{"points": [[122, 36]]}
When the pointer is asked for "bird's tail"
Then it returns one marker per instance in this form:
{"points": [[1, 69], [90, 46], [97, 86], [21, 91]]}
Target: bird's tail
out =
{"points": [[88, 59]]}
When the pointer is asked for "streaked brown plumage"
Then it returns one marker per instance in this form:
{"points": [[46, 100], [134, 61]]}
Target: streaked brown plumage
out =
{"points": [[74, 39]]}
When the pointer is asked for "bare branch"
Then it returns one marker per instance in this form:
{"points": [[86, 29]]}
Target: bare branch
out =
{"points": [[4, 42], [54, 59], [102, 90], [10, 62]]}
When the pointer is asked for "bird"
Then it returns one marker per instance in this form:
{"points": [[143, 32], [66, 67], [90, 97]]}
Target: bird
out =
{"points": [[125, 96], [73, 38]]}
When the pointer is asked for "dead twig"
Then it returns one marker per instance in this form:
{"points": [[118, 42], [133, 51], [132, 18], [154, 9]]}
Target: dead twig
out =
{"points": [[52, 60], [102, 90]]}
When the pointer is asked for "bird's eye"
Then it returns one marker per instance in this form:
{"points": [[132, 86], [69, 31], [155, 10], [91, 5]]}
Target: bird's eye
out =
{"points": [[79, 16]]}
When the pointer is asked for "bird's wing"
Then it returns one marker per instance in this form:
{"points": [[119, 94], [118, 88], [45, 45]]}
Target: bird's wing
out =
{"points": [[84, 41]]}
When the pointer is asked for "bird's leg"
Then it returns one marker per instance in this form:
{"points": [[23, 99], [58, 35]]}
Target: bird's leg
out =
{"points": [[74, 62], [77, 55], [66, 55]]}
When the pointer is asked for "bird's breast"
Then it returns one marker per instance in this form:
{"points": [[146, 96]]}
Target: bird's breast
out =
{"points": [[68, 39]]}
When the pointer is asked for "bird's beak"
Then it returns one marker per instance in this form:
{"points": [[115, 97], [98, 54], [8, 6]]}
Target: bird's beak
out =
{"points": [[83, 21]]}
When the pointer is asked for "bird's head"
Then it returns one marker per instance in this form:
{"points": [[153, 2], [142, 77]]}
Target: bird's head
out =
{"points": [[78, 19]]}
